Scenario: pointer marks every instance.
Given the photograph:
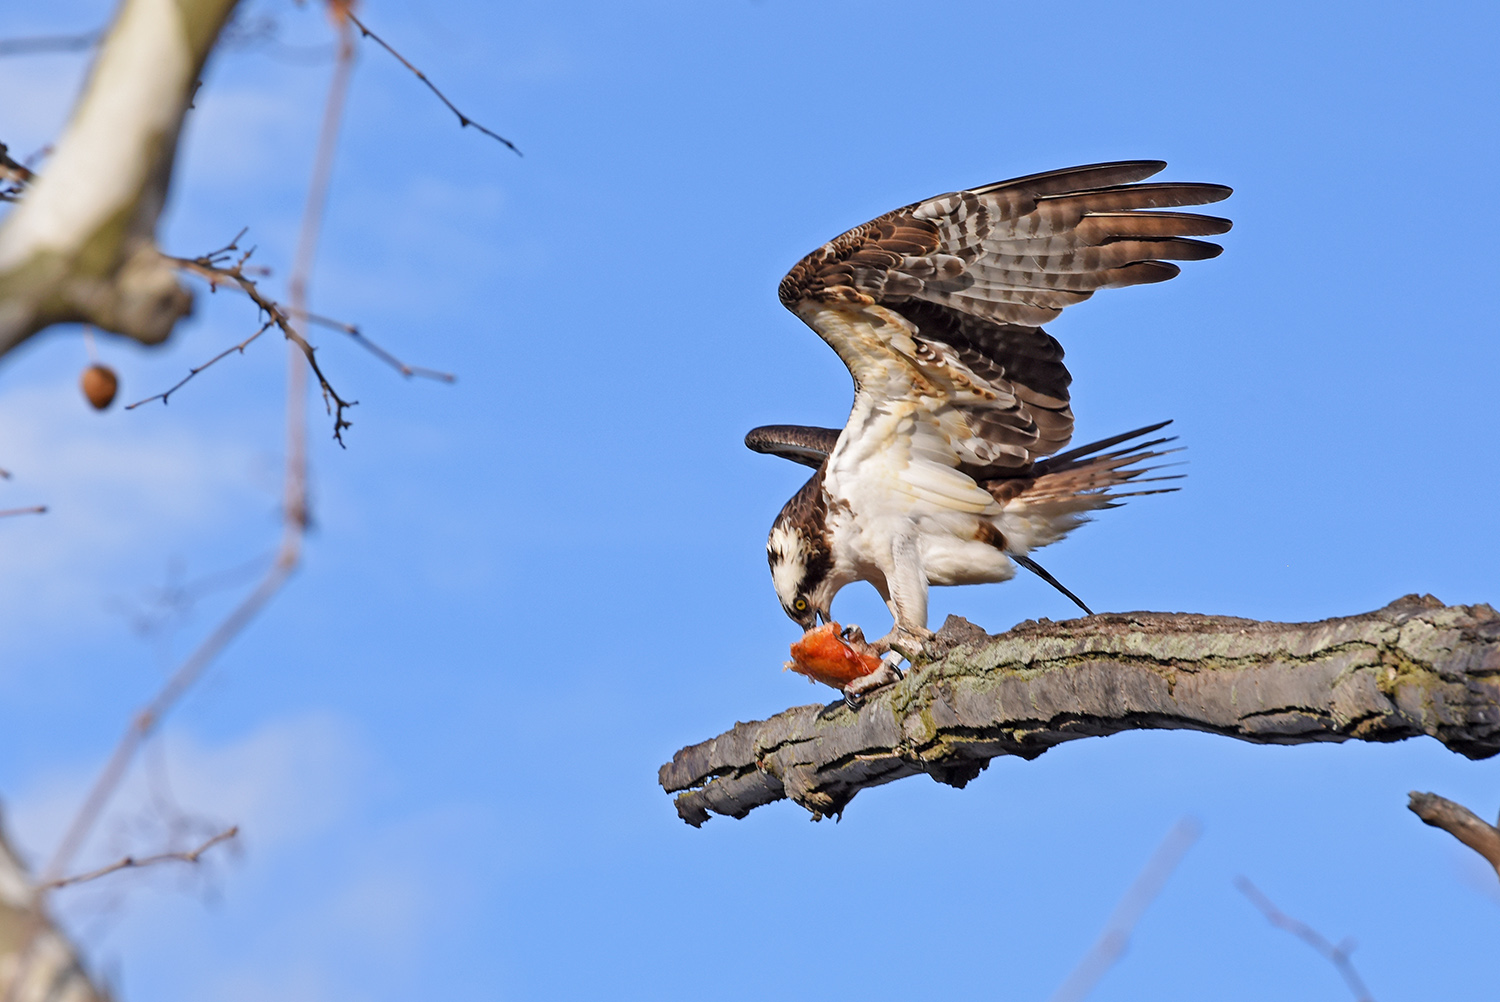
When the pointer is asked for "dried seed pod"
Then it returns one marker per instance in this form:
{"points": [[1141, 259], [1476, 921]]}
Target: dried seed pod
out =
{"points": [[99, 385]]}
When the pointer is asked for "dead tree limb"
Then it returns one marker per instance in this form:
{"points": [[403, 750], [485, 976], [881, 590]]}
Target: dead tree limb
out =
{"points": [[1460, 822], [1414, 667]]}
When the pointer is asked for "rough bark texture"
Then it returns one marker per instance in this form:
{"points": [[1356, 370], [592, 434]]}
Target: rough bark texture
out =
{"points": [[1414, 667]]}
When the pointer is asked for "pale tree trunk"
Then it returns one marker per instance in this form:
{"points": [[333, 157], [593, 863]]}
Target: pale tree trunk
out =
{"points": [[80, 246], [31, 946]]}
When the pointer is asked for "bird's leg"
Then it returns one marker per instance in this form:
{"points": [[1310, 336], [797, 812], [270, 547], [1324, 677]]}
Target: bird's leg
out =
{"points": [[907, 581], [907, 584]]}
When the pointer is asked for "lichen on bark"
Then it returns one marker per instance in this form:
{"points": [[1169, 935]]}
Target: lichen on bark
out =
{"points": [[1415, 667]]}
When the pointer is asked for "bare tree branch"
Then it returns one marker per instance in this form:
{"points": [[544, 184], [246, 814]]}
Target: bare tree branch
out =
{"points": [[131, 862], [1337, 955], [464, 121], [50, 43], [80, 246], [165, 394], [1116, 937], [1460, 822], [23, 956], [359, 338], [211, 267], [1411, 668], [37, 963], [35, 509]]}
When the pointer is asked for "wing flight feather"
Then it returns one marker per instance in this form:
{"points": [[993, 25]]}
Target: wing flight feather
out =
{"points": [[943, 301]]}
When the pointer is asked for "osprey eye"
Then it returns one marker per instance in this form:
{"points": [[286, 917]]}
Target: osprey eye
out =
{"points": [[800, 605]]}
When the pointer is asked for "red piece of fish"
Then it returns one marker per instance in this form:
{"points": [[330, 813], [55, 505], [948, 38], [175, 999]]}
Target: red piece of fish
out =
{"points": [[825, 656]]}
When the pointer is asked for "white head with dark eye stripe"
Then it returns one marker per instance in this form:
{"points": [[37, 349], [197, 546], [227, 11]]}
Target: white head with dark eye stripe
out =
{"points": [[800, 563]]}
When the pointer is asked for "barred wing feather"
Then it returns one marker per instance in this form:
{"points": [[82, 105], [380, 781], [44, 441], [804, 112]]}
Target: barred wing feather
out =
{"points": [[941, 302]]}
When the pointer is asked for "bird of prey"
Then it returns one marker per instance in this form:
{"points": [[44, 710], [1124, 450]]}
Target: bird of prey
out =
{"points": [[950, 469]]}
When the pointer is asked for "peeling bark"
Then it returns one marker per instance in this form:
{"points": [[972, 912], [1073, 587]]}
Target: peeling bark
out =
{"points": [[80, 245], [1414, 667]]}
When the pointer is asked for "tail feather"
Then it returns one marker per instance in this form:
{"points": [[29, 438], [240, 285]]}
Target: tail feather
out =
{"points": [[1060, 491]]}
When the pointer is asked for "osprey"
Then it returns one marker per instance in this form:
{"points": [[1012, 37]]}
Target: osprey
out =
{"points": [[949, 470]]}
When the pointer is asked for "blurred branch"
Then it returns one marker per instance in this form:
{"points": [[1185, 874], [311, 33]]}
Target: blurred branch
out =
{"points": [[1116, 937], [1414, 667], [81, 245], [1337, 955], [10, 170], [26, 953], [1460, 822], [464, 121], [36, 509], [50, 43], [379, 352], [37, 963], [130, 862]]}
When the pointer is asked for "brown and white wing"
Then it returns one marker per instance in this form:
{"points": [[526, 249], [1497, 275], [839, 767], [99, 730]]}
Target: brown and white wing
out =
{"points": [[943, 300]]}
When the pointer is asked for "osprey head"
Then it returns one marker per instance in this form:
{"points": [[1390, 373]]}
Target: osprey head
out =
{"points": [[800, 560]]}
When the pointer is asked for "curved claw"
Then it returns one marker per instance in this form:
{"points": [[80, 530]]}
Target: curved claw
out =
{"points": [[854, 701]]}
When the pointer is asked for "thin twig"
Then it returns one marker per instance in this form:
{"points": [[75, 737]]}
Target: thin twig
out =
{"points": [[379, 352], [1116, 937], [162, 396], [1337, 955], [295, 520], [209, 266], [36, 509], [131, 862], [50, 43], [464, 121]]}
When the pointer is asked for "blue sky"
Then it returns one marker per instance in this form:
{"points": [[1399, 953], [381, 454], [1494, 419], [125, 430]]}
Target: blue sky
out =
{"points": [[526, 590]]}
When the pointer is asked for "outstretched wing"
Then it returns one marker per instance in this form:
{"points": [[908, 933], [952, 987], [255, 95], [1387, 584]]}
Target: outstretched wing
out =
{"points": [[940, 303]]}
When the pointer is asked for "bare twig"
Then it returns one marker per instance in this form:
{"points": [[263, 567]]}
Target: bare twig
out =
{"points": [[36, 509], [464, 121], [295, 519], [1460, 822], [50, 43], [165, 394], [379, 352], [210, 266], [1337, 955], [294, 526], [1116, 937], [131, 862]]}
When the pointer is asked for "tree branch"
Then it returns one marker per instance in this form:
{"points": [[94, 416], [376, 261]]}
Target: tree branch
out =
{"points": [[1414, 667], [1337, 955], [134, 863], [1460, 822], [81, 245]]}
